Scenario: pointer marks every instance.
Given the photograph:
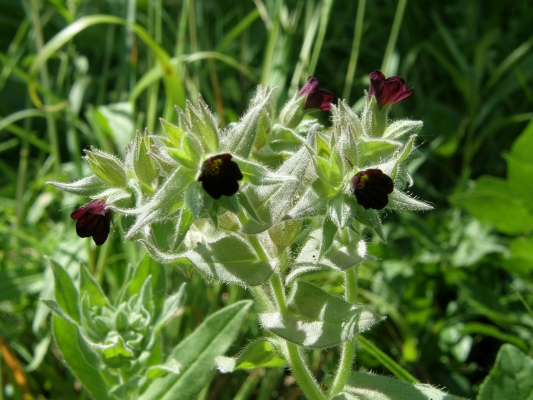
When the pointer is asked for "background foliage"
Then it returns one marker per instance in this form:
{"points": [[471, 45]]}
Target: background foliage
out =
{"points": [[455, 283]]}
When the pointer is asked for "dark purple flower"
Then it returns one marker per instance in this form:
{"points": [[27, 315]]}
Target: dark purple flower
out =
{"points": [[316, 97], [93, 220], [387, 91], [371, 188], [220, 175]]}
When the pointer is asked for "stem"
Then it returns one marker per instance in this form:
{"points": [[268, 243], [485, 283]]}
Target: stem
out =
{"points": [[301, 373], [279, 292], [393, 35], [45, 81], [356, 44], [348, 348]]}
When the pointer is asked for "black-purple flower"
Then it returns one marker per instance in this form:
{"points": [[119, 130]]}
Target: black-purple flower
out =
{"points": [[387, 91], [316, 97], [220, 176], [93, 220], [371, 188]]}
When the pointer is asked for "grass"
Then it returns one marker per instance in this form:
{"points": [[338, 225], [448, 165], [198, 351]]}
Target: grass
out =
{"points": [[75, 74]]}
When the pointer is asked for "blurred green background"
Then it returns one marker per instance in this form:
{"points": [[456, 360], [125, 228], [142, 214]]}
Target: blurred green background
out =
{"points": [[455, 283]]}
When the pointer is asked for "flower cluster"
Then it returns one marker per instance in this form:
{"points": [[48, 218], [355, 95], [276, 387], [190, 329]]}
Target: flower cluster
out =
{"points": [[196, 191]]}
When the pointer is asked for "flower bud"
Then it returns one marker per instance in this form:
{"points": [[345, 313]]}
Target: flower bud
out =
{"points": [[107, 167], [143, 165], [310, 97]]}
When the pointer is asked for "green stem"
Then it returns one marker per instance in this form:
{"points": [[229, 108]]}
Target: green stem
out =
{"points": [[394, 34], [301, 373], [50, 121], [279, 292], [356, 44], [348, 348]]}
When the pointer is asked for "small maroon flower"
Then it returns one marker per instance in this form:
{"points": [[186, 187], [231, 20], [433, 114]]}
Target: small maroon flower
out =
{"points": [[316, 97], [220, 175], [93, 220], [387, 91], [371, 188]]}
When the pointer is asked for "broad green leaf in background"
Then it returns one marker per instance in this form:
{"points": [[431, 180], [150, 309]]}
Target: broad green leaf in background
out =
{"points": [[510, 378], [492, 201], [197, 353]]}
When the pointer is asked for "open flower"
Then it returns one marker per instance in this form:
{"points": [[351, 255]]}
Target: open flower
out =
{"points": [[371, 188], [93, 220], [316, 97], [387, 91], [220, 175]]}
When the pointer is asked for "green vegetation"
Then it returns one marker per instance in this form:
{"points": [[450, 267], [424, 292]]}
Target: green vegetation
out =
{"points": [[455, 283]]}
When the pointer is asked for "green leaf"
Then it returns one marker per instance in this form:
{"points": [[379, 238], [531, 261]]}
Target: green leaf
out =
{"points": [[317, 319], [261, 353], [365, 386], [171, 306], [398, 129], [240, 137], [173, 132], [338, 255], [313, 202], [203, 125], [148, 267], [520, 178], [372, 152], [168, 200], [197, 353], [398, 200], [65, 292], [493, 202], [258, 174], [94, 291], [510, 378], [230, 259], [521, 148], [89, 186], [80, 357], [271, 203]]}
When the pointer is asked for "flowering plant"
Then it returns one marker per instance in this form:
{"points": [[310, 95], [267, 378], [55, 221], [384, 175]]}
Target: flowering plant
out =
{"points": [[260, 204]]}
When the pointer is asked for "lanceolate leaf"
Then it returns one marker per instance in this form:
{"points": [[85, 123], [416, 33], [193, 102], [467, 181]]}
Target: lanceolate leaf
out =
{"points": [[241, 136], [196, 355], [66, 293], [81, 358], [94, 291]]}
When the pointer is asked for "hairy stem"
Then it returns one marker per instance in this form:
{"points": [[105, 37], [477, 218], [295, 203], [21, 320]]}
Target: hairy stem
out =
{"points": [[301, 373], [348, 348]]}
